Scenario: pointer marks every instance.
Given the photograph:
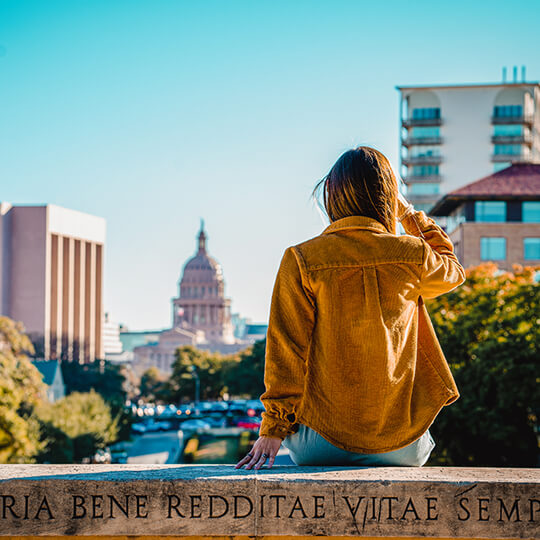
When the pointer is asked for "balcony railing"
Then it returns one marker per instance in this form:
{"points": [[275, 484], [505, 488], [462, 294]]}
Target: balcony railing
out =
{"points": [[414, 122], [518, 119], [422, 160], [512, 139], [513, 158], [415, 178], [423, 199], [413, 141]]}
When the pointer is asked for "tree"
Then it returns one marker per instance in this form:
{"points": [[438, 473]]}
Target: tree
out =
{"points": [[105, 378], [21, 389], [488, 329], [85, 418], [190, 363], [246, 376], [152, 384]]}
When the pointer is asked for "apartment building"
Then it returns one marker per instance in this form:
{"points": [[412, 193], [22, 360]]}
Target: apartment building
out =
{"points": [[51, 278], [452, 135], [496, 218]]}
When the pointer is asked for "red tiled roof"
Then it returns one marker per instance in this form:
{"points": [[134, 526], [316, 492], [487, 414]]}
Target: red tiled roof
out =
{"points": [[518, 179]]}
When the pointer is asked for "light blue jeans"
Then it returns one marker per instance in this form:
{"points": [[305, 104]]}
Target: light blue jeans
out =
{"points": [[307, 447]]}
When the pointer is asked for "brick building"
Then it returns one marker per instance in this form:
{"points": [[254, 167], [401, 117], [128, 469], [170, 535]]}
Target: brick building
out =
{"points": [[496, 218]]}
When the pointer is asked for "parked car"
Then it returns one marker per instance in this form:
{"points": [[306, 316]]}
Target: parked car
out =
{"points": [[194, 424]]}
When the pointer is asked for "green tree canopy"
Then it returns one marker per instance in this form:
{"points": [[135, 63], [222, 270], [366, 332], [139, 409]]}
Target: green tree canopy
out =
{"points": [[190, 363], [490, 333], [85, 418], [21, 389]]}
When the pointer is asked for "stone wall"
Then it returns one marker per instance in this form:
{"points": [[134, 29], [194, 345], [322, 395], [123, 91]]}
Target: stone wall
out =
{"points": [[213, 500]]}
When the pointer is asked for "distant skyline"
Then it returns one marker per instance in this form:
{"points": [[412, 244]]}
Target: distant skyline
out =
{"points": [[154, 114]]}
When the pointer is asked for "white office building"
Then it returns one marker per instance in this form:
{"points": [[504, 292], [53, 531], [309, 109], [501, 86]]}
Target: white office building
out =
{"points": [[51, 278], [452, 135]]}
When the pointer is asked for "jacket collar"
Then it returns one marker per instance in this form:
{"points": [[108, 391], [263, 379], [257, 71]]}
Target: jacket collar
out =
{"points": [[355, 222]]}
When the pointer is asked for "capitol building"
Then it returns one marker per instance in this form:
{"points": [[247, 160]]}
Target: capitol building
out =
{"points": [[201, 315]]}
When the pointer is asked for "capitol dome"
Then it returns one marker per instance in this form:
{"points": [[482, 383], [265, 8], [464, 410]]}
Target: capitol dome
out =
{"points": [[202, 276], [201, 304]]}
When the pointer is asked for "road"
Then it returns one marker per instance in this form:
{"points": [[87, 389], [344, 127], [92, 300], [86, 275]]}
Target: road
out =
{"points": [[156, 448]]}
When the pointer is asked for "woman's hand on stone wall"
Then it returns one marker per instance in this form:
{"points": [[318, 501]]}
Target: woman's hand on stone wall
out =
{"points": [[264, 448]]}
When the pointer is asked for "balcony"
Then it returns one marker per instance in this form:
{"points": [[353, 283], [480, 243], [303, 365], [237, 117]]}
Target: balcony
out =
{"points": [[415, 122], [514, 158], [414, 178], [422, 160], [417, 141], [519, 119], [512, 139]]}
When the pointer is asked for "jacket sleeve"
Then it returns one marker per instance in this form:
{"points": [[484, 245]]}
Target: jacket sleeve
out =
{"points": [[292, 317], [441, 271]]}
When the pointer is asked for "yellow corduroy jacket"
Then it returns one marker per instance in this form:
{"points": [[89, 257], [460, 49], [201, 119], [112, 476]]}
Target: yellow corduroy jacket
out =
{"points": [[351, 351]]}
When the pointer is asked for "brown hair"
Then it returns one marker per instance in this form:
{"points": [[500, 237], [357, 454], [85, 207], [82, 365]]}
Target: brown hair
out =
{"points": [[361, 182]]}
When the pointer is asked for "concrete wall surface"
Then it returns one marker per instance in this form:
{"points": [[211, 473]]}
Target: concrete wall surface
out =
{"points": [[151, 501]]}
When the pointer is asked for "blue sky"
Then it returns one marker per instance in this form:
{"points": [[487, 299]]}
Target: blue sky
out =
{"points": [[156, 113]]}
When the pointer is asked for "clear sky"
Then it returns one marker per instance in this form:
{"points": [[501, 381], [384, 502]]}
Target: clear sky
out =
{"points": [[155, 113]]}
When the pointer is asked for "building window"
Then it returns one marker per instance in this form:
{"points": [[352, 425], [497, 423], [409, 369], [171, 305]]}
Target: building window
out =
{"points": [[505, 111], [425, 170], [425, 151], [530, 211], [425, 132], [508, 149], [490, 211], [531, 249], [424, 189], [492, 248], [426, 113], [508, 130]]}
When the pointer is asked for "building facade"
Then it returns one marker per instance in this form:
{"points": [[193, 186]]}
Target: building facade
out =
{"points": [[201, 314], [51, 278], [452, 135], [496, 218], [112, 345]]}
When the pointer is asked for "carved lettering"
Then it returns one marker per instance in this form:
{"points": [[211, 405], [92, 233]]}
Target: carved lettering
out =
{"points": [[26, 497], [431, 507], [44, 507], [390, 501], [262, 505], [483, 507], [173, 502], [532, 509], [373, 514], [124, 509], [351, 509], [410, 508], [96, 506], [195, 506], [211, 498], [297, 506], [236, 514], [78, 503], [277, 497], [462, 502], [141, 505], [7, 504], [502, 508], [318, 506]]}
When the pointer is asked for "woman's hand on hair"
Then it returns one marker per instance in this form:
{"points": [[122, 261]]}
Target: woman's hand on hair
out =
{"points": [[404, 207], [264, 448]]}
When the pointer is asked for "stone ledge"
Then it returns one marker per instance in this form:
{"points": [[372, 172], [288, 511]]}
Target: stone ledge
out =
{"points": [[218, 500]]}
